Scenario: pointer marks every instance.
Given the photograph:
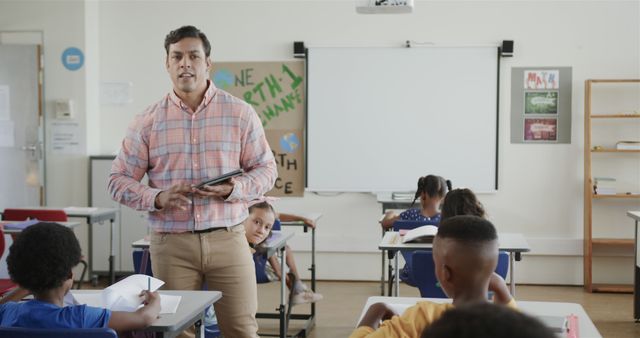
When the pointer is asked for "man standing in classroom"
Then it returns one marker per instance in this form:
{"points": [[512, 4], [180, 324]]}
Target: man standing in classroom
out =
{"points": [[197, 132]]}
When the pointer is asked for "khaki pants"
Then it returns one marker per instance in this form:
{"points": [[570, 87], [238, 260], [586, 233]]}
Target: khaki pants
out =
{"points": [[221, 259]]}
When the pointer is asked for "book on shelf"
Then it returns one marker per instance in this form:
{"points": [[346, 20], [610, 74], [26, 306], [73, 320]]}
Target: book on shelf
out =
{"points": [[423, 234], [628, 145], [604, 186]]}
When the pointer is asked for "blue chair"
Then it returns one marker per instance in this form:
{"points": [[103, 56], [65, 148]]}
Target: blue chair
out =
{"points": [[406, 274], [23, 332], [425, 276]]}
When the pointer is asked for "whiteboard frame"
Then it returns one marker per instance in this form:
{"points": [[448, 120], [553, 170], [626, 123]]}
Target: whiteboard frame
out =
{"points": [[424, 45]]}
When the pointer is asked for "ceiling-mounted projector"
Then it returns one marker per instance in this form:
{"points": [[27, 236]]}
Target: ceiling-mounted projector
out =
{"points": [[384, 6]]}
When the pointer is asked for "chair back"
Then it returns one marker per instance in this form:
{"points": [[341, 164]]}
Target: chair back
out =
{"points": [[406, 274], [425, 276], [47, 215], [23, 332]]}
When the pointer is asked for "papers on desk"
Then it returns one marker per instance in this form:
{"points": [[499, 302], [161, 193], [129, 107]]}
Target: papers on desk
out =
{"points": [[79, 210], [124, 295]]}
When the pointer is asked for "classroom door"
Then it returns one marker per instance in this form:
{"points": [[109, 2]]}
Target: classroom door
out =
{"points": [[21, 126]]}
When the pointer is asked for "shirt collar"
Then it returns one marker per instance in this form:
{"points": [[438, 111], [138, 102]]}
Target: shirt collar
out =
{"points": [[208, 96]]}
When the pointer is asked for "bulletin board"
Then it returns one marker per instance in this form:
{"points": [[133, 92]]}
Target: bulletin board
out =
{"points": [[541, 105], [276, 92]]}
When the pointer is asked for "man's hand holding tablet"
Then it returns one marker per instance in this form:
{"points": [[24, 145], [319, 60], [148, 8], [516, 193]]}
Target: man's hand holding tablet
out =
{"points": [[220, 186]]}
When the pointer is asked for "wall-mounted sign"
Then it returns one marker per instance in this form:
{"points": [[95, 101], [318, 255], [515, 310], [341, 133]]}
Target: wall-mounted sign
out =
{"points": [[72, 58]]}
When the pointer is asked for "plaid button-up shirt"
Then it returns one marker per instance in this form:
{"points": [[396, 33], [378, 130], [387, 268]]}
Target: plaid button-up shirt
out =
{"points": [[172, 144]]}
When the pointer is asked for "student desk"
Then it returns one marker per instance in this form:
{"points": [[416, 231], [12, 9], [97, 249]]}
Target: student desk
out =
{"points": [[586, 329], [92, 216], [635, 215], [514, 244], [190, 311], [275, 244], [17, 231], [389, 203]]}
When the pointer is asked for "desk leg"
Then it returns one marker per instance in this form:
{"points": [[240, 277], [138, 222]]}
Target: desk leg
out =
{"points": [[199, 327], [313, 269], [112, 255], [283, 289], [382, 275], [382, 269], [397, 272], [90, 253], [636, 287], [512, 283]]}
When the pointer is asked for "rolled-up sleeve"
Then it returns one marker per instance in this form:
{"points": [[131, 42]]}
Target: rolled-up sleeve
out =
{"points": [[130, 166]]}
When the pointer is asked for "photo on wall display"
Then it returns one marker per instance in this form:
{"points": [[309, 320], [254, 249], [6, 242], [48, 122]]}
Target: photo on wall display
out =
{"points": [[540, 129], [541, 102]]}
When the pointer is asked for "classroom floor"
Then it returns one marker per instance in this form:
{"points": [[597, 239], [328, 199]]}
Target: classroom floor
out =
{"points": [[343, 301]]}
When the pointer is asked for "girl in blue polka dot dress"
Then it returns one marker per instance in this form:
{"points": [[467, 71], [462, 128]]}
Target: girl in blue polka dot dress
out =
{"points": [[431, 190]]}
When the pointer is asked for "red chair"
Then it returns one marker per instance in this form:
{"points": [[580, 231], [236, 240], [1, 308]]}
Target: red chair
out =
{"points": [[6, 285], [46, 215]]}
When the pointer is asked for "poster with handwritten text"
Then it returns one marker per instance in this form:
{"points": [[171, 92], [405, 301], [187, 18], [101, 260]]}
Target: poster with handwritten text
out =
{"points": [[541, 79], [276, 92]]}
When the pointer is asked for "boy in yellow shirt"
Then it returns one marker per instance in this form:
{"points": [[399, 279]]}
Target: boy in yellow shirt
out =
{"points": [[465, 253]]}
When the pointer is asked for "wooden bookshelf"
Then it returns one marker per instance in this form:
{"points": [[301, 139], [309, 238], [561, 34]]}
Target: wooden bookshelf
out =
{"points": [[613, 150], [616, 247], [615, 116], [613, 288], [619, 195]]}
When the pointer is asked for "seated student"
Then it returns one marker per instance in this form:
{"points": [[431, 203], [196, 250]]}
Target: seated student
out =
{"points": [[485, 320], [461, 202], [464, 202], [431, 189], [465, 252], [257, 229], [41, 261]]}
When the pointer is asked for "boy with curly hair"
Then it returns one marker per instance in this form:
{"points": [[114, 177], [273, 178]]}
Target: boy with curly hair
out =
{"points": [[41, 260]]}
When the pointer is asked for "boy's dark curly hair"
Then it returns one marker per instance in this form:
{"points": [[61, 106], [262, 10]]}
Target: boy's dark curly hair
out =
{"points": [[42, 256]]}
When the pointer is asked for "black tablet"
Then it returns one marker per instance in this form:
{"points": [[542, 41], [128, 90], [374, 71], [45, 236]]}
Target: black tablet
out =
{"points": [[221, 178]]}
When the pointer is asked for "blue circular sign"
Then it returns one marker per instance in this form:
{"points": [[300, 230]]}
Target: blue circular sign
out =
{"points": [[72, 58]]}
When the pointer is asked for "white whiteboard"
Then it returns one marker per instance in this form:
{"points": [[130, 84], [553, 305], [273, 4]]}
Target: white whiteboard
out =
{"points": [[379, 118]]}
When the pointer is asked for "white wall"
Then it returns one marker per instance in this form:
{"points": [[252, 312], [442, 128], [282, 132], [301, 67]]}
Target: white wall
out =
{"points": [[540, 185]]}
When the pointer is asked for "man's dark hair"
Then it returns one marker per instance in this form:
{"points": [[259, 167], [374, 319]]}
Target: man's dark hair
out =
{"points": [[187, 32], [465, 228], [42, 256], [486, 320]]}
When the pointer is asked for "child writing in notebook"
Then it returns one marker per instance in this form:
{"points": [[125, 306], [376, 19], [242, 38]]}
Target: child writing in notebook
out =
{"points": [[41, 261], [258, 227], [431, 190], [465, 252]]}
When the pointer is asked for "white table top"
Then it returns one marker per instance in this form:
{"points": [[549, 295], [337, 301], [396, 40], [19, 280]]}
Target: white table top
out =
{"points": [[192, 305], [585, 325], [510, 242], [314, 216], [17, 231], [634, 214]]}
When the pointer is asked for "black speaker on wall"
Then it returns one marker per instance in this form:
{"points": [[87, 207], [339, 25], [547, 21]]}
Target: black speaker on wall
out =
{"points": [[298, 49], [507, 48]]}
